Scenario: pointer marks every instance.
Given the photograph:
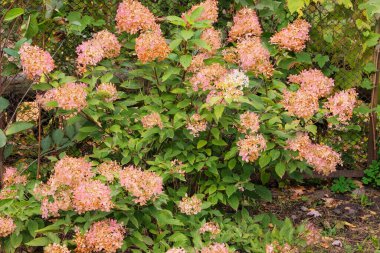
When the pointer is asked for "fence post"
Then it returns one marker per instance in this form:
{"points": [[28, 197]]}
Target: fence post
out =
{"points": [[372, 136]]}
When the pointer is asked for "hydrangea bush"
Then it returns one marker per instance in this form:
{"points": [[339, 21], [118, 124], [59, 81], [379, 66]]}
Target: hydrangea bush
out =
{"points": [[184, 128]]}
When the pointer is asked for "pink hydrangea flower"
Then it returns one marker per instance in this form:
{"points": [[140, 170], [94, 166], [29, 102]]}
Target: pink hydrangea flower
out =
{"points": [[249, 123], [7, 226], [133, 17], [293, 37], [152, 120], [109, 43], [12, 177], [251, 146], [300, 103], [190, 205], [109, 170], [196, 124], [176, 250], [151, 46], [246, 24], [142, 185], [108, 91], [342, 105], [34, 61], [92, 195], [197, 62], [215, 248], [70, 96], [213, 38], [254, 57], [314, 82], [205, 78], [103, 236], [210, 227], [56, 248], [210, 11]]}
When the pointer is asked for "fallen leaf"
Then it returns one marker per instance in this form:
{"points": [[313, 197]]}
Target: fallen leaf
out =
{"points": [[314, 213], [337, 243]]}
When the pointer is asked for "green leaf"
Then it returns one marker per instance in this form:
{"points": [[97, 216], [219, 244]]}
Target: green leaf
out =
{"points": [[201, 43], [58, 136], [218, 111], [185, 60], [263, 192], [312, 129], [295, 5], [18, 127], [233, 201], [13, 13], [321, 60], [16, 240], [280, 169], [231, 189], [195, 14], [171, 71], [32, 227], [40, 241], [3, 139], [304, 57], [32, 28], [264, 160], [176, 20], [187, 34], [201, 143], [174, 44], [4, 103]]}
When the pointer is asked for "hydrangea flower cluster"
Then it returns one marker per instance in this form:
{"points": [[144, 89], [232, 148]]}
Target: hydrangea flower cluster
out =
{"points": [[190, 205], [133, 17], [12, 177], [103, 236], [251, 146], [176, 250], [7, 226], [213, 38], [150, 46], [342, 104], [303, 103], [103, 45], [254, 57], [197, 63], [152, 120], [196, 124], [293, 37], [300, 104], [322, 158], [35, 62], [56, 248], [70, 96], [210, 11], [207, 76], [71, 187], [108, 91], [215, 248], [249, 123], [314, 82], [275, 247], [246, 24], [109, 170], [92, 195], [142, 185], [210, 227], [230, 55]]}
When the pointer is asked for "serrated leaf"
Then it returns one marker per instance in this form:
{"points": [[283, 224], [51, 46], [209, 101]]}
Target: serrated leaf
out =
{"points": [[176, 20], [264, 160], [280, 169], [186, 34], [185, 60]]}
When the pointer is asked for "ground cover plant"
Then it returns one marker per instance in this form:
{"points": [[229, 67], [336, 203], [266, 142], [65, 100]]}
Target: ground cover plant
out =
{"points": [[167, 138]]}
